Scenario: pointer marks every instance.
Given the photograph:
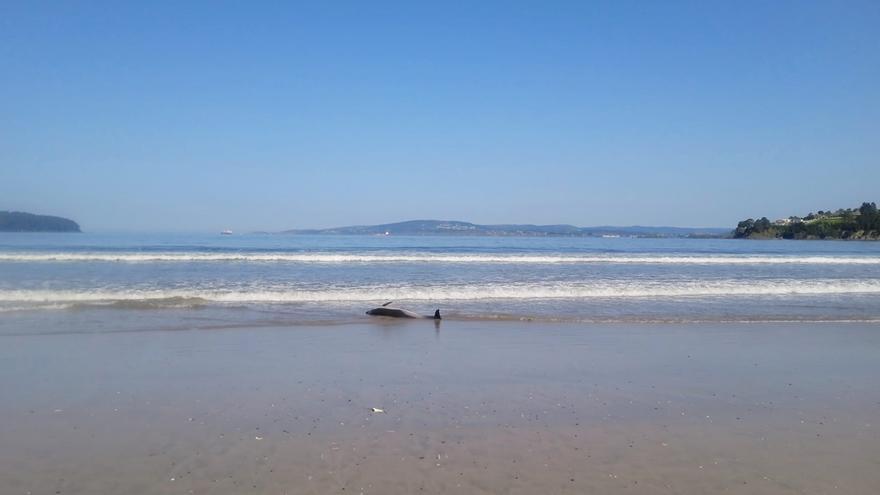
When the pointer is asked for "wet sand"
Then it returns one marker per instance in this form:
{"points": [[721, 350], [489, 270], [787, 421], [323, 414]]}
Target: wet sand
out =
{"points": [[469, 407]]}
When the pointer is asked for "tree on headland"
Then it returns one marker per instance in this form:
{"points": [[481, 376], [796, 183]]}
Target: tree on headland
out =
{"points": [[744, 228], [868, 217], [762, 225]]}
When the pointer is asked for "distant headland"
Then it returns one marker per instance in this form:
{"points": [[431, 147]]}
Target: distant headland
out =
{"points": [[861, 223], [457, 228], [17, 221]]}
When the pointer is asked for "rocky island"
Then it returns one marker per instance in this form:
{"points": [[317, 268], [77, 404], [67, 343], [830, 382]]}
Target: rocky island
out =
{"points": [[17, 221]]}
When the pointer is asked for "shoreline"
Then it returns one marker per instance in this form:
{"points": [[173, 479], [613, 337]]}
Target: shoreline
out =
{"points": [[273, 324]]}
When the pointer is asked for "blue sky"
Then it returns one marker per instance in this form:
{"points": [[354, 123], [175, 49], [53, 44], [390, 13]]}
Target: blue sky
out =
{"points": [[260, 115]]}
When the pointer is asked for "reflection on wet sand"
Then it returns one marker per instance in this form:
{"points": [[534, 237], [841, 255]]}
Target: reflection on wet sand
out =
{"points": [[476, 408]]}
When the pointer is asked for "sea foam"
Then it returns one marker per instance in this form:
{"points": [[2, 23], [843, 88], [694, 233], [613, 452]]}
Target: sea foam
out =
{"points": [[134, 298]]}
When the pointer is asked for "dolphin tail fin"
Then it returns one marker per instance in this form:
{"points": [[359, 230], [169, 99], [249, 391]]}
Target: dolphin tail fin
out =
{"points": [[437, 315]]}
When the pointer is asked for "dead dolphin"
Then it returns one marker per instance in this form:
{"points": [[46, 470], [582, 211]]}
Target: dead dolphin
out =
{"points": [[399, 313]]}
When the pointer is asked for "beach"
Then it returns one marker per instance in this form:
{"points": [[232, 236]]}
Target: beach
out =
{"points": [[468, 407], [494, 248]]}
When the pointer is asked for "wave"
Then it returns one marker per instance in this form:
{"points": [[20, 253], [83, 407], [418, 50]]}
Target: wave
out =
{"points": [[367, 258], [187, 298]]}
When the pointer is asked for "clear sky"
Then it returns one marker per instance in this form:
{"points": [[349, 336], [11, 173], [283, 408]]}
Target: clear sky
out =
{"points": [[263, 115]]}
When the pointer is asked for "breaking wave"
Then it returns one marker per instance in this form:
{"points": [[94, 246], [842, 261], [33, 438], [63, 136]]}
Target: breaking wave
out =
{"points": [[189, 298]]}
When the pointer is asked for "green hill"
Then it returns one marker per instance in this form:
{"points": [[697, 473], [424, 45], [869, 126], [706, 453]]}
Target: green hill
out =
{"points": [[850, 223], [457, 228]]}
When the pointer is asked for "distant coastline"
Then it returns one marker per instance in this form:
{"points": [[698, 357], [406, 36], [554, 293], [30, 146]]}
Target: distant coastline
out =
{"points": [[861, 223], [18, 221], [458, 228]]}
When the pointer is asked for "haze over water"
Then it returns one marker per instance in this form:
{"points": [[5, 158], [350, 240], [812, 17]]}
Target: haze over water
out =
{"points": [[174, 280]]}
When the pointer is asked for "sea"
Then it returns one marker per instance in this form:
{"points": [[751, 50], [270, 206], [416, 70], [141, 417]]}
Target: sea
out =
{"points": [[117, 282]]}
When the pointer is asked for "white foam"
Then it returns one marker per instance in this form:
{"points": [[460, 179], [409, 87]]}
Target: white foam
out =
{"points": [[367, 258], [474, 292]]}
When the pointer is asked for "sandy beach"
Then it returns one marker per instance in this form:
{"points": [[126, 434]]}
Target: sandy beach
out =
{"points": [[494, 248], [469, 407]]}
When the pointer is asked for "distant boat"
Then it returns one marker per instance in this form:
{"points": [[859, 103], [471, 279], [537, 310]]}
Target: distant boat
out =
{"points": [[226, 232], [610, 236]]}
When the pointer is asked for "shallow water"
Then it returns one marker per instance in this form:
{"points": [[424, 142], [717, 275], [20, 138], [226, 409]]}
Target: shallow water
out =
{"points": [[75, 282]]}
